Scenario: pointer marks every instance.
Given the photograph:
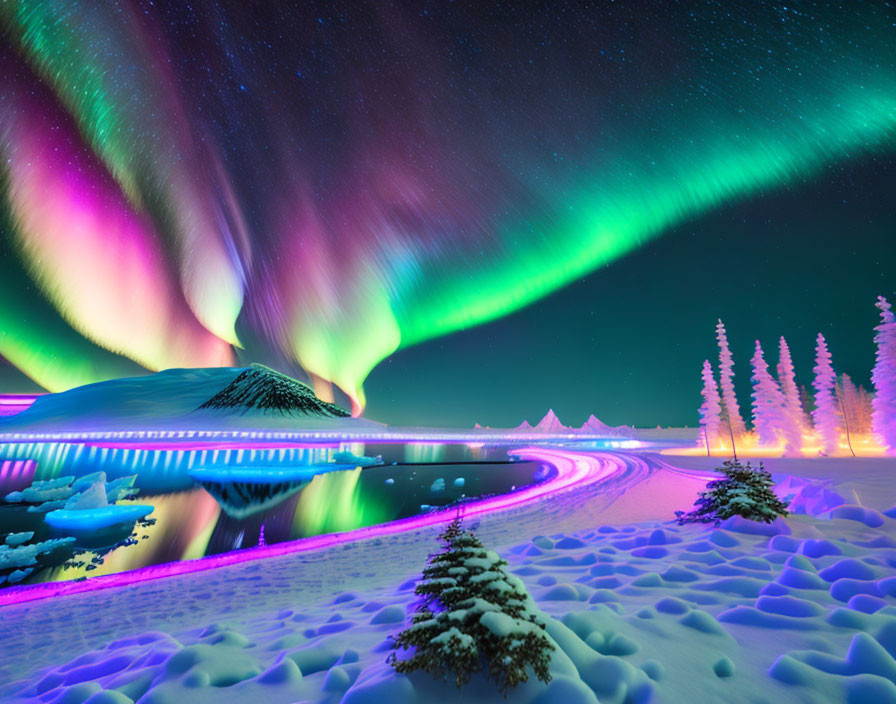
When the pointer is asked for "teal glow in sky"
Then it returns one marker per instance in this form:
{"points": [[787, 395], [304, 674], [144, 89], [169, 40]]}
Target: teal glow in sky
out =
{"points": [[192, 185]]}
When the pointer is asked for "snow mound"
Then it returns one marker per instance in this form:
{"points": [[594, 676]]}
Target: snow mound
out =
{"points": [[811, 497], [851, 512]]}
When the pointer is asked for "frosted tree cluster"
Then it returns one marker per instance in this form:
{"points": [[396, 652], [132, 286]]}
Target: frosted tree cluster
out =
{"points": [[772, 421], [785, 413], [855, 406], [472, 614]]}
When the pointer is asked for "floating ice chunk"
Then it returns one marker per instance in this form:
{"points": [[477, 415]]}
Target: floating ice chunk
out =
{"points": [[49, 490], [91, 519], [16, 539], [121, 488], [459, 482], [438, 485], [88, 480], [93, 497], [346, 457], [47, 506], [19, 575], [25, 555]]}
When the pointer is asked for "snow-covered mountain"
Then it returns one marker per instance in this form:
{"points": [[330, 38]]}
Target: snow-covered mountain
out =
{"points": [[195, 399], [263, 390], [551, 425], [595, 426]]}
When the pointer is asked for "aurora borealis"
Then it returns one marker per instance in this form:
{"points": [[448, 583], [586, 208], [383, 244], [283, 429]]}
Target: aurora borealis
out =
{"points": [[196, 184]]}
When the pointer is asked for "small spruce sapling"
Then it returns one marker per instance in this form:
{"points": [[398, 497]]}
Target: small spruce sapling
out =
{"points": [[744, 491], [471, 613]]}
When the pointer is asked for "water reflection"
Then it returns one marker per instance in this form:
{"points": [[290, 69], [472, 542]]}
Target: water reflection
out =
{"points": [[188, 522]]}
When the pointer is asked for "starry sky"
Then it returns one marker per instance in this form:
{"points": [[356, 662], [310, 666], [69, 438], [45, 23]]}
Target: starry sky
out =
{"points": [[448, 211]]}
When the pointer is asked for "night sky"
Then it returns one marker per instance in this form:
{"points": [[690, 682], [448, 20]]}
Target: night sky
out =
{"points": [[460, 211]]}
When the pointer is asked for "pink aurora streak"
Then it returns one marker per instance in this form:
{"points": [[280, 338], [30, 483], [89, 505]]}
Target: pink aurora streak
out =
{"points": [[99, 261]]}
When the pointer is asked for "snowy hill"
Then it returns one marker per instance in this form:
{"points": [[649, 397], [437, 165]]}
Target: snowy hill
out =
{"points": [[207, 398], [266, 391]]}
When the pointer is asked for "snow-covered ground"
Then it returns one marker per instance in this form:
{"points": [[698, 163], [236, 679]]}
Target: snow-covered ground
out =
{"points": [[642, 610]]}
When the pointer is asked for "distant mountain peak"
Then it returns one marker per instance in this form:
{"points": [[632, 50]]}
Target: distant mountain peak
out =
{"points": [[261, 389], [550, 423], [594, 423]]}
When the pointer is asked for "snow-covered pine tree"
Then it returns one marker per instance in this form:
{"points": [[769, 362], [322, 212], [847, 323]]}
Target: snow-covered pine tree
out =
{"points": [[726, 381], [711, 409], [473, 612], [787, 380], [744, 491], [771, 422], [883, 417], [824, 417]]}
